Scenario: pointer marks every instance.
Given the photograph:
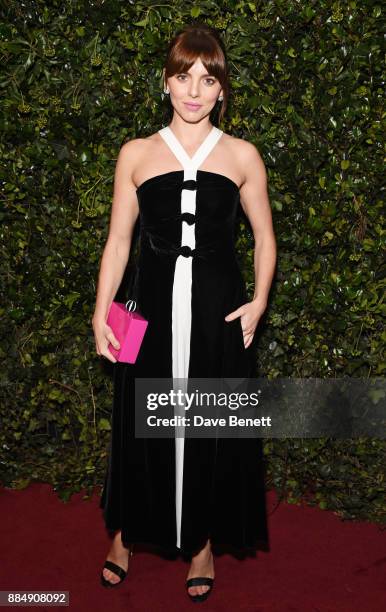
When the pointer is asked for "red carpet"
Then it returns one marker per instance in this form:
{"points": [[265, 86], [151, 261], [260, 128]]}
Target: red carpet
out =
{"points": [[317, 563]]}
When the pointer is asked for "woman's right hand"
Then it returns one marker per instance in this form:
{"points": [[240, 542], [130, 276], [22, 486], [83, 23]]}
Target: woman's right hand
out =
{"points": [[103, 335]]}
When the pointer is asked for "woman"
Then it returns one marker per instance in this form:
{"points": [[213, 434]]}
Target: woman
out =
{"points": [[184, 182]]}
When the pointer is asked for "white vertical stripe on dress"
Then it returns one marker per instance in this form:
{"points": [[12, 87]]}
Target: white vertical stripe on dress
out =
{"points": [[182, 294]]}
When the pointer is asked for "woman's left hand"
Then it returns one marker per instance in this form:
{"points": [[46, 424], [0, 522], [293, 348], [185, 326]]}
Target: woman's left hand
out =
{"points": [[250, 314]]}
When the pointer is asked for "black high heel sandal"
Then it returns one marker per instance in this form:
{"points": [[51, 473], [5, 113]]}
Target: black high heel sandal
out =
{"points": [[199, 581], [116, 569]]}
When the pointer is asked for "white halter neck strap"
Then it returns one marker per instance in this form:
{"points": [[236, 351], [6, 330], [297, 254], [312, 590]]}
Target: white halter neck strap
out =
{"points": [[190, 163]]}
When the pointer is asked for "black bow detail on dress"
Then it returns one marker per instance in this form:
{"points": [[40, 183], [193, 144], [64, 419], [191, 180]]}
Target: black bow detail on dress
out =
{"points": [[190, 184], [186, 251], [202, 252], [190, 218]]}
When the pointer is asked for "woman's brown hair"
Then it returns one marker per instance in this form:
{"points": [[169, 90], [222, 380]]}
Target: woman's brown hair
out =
{"points": [[194, 41]]}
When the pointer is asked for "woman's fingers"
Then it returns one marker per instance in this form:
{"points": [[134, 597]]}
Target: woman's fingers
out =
{"points": [[234, 314], [249, 341], [109, 338], [248, 337], [112, 339], [106, 353], [103, 337]]}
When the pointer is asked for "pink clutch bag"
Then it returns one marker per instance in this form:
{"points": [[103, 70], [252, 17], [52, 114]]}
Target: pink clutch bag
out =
{"points": [[129, 329]]}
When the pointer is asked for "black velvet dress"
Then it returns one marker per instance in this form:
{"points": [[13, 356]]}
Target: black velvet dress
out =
{"points": [[177, 493]]}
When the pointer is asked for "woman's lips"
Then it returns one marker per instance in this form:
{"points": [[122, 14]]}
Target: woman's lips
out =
{"points": [[192, 107]]}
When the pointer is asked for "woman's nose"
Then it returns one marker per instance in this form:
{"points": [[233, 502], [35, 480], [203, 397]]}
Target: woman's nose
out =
{"points": [[193, 90]]}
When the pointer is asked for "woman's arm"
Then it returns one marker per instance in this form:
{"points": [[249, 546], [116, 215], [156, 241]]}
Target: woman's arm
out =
{"points": [[116, 252], [255, 203]]}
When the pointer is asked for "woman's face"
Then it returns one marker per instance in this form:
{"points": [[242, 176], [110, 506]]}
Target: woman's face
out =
{"points": [[193, 94]]}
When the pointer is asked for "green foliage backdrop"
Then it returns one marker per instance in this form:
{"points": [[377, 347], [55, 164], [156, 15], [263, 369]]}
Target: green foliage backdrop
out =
{"points": [[78, 78]]}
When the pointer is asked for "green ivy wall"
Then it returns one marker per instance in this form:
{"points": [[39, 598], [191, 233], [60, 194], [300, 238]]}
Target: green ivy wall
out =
{"points": [[77, 80]]}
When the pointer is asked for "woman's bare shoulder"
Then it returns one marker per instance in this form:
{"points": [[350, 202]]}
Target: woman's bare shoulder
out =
{"points": [[241, 147], [135, 151], [246, 153], [136, 146]]}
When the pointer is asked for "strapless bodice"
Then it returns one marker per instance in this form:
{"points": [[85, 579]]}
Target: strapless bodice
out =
{"points": [[216, 199]]}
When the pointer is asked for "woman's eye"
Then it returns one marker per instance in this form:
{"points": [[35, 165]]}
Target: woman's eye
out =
{"points": [[182, 77]]}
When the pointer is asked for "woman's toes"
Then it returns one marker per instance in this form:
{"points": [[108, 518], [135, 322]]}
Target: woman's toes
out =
{"points": [[110, 576], [198, 590], [192, 590]]}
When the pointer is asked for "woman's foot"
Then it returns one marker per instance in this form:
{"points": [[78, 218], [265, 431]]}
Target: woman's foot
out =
{"points": [[118, 554], [202, 565]]}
